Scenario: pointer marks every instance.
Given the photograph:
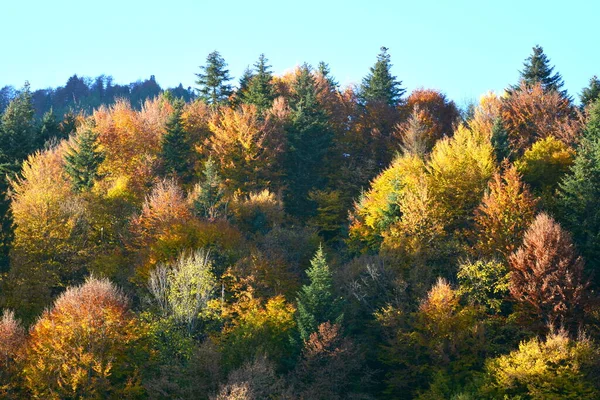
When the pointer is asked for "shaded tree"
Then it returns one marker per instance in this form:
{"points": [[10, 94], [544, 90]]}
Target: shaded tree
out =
{"points": [[175, 148], [83, 159], [591, 93]]}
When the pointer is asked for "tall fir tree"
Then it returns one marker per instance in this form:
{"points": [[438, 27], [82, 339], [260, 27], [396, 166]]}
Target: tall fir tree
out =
{"points": [[83, 159], [500, 141], [380, 85], [537, 69], [309, 137], [209, 194], [49, 129], [242, 89], [579, 193], [317, 302], [261, 91], [213, 80], [18, 134], [176, 151], [591, 93], [325, 71]]}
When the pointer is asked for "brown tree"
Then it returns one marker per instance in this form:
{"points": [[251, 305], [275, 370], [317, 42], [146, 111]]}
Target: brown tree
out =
{"points": [[547, 277], [12, 340]]}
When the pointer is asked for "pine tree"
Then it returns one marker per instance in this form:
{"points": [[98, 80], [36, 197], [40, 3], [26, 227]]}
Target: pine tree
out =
{"points": [[17, 137], [83, 159], [380, 85], [176, 150], [209, 194], [242, 89], [580, 190], [316, 301], [537, 69], [591, 93], [309, 136], [212, 81], [260, 91]]}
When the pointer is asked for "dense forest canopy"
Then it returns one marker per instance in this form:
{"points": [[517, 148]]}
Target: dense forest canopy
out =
{"points": [[283, 237]]}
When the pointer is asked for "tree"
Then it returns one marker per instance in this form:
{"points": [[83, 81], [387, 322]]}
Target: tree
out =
{"points": [[208, 196], [499, 139], [83, 159], [591, 93], [414, 136], [183, 289], [537, 70], [212, 81], [324, 70], [176, 150], [12, 345], [547, 277], [580, 189], [50, 128], [260, 90], [316, 301], [380, 85], [83, 346], [309, 136], [507, 210], [555, 368], [18, 134]]}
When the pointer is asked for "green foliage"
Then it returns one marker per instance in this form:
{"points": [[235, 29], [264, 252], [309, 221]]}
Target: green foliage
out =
{"points": [[500, 141], [537, 69], [380, 85], [212, 81], [209, 195], [309, 136], [18, 133], [484, 283], [317, 302], [175, 147], [83, 159], [556, 368], [259, 90], [49, 129], [580, 190], [590, 94]]}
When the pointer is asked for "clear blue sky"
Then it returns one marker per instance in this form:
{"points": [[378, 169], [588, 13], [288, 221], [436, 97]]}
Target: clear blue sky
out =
{"points": [[463, 48]]}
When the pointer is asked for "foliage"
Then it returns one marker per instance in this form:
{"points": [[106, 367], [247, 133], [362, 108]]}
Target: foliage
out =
{"points": [[484, 283], [213, 88], [537, 70], [81, 348], [380, 85], [83, 159], [555, 368], [208, 196], [12, 345], [547, 276], [175, 147], [590, 94]]}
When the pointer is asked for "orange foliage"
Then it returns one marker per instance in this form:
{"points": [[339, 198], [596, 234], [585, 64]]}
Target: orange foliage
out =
{"points": [[245, 146], [79, 348]]}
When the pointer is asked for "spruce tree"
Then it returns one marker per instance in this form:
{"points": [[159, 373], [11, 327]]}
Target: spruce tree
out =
{"points": [[537, 69], [49, 128], [309, 136], [500, 141], [242, 89], [212, 80], [18, 134], [591, 93], [176, 151], [316, 301], [579, 193], [260, 91], [380, 85], [83, 159], [323, 69], [209, 193]]}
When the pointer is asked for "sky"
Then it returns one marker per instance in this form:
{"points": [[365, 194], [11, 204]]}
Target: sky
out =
{"points": [[463, 48]]}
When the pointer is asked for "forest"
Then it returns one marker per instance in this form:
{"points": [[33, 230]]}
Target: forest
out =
{"points": [[284, 237]]}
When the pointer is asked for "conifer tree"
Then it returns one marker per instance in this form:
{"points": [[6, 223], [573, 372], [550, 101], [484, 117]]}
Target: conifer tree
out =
{"points": [[212, 80], [17, 137], [380, 85], [500, 141], [242, 89], [83, 159], [591, 93], [324, 70], [49, 129], [209, 194], [309, 136], [316, 301], [260, 91], [580, 190], [537, 69], [176, 150]]}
